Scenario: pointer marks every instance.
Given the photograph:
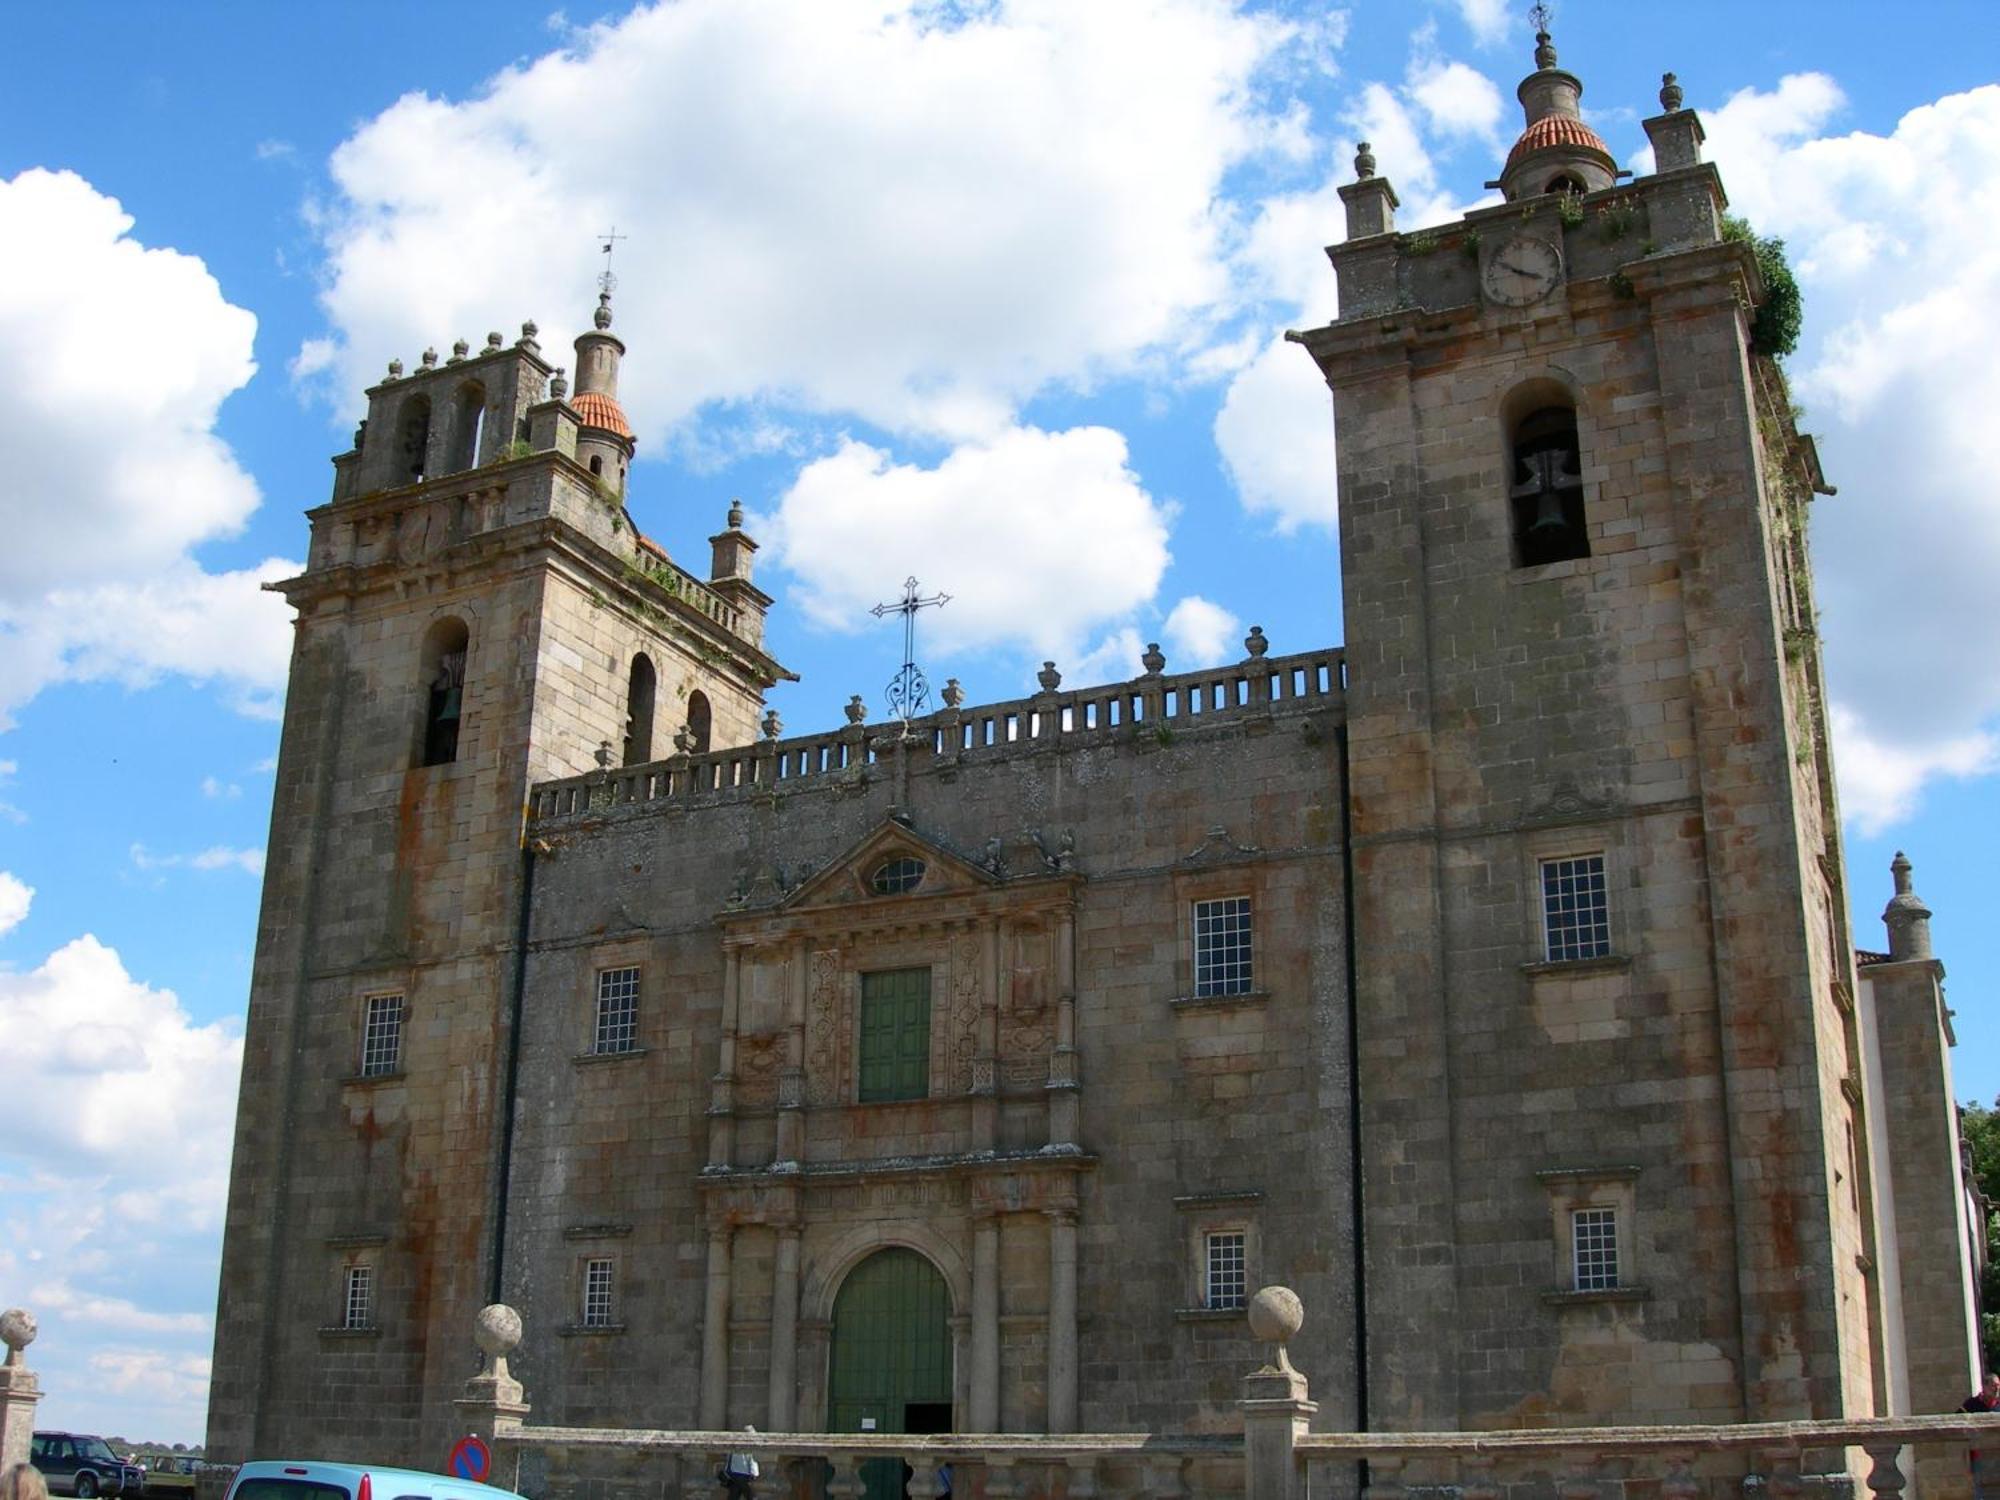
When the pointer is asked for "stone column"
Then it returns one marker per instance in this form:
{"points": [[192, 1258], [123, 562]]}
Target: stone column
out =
{"points": [[492, 1403], [791, 1134], [986, 1060], [1065, 1110], [985, 1413], [19, 1390], [1062, 1320], [784, 1332], [1274, 1405], [722, 1088], [715, 1333]]}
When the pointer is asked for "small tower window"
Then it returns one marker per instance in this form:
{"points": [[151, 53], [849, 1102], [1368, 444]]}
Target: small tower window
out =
{"points": [[1565, 182], [413, 436], [698, 722], [465, 417], [1547, 489], [443, 691], [597, 463], [639, 712]]}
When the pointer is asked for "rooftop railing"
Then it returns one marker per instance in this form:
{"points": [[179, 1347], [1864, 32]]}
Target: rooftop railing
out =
{"points": [[1274, 1455], [1152, 704]]}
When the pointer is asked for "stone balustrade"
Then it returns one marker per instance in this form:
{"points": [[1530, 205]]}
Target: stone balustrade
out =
{"points": [[1154, 704], [1275, 1457]]}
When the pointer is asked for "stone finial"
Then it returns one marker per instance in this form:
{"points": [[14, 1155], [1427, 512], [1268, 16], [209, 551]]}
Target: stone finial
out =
{"points": [[953, 694], [684, 740], [1276, 1315], [1049, 677], [527, 338], [735, 515], [602, 317], [17, 1331], [430, 358], [459, 349], [559, 383], [603, 755], [1255, 643], [1545, 50], [497, 1331], [857, 711], [773, 725], [1670, 93], [494, 340], [1154, 660], [395, 369], [1906, 916], [1364, 161]]}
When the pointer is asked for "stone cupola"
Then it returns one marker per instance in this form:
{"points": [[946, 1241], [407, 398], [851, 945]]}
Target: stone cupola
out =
{"points": [[604, 438], [1556, 151]]}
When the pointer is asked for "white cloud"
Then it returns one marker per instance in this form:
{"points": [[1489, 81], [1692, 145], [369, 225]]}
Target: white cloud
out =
{"points": [[219, 857], [1039, 538], [218, 790], [1489, 20], [1202, 634], [1882, 783], [958, 209], [1456, 99], [84, 1039], [167, 1381], [1275, 432], [59, 1296], [1892, 239], [15, 897], [131, 463]]}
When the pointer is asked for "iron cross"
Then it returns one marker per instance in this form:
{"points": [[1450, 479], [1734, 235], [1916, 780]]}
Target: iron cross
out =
{"points": [[606, 282], [909, 694]]}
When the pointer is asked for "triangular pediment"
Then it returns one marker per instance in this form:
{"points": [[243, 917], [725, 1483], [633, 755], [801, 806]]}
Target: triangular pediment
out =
{"points": [[870, 871]]}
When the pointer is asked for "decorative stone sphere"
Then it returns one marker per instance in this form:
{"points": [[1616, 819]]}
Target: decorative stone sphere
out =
{"points": [[17, 1328], [1276, 1314], [497, 1329]]}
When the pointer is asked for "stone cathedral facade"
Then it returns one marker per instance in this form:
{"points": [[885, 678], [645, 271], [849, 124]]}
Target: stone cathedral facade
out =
{"points": [[1487, 979]]}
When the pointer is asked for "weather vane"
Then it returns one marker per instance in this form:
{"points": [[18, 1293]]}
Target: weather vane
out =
{"points": [[1541, 15], [606, 282], [909, 694]]}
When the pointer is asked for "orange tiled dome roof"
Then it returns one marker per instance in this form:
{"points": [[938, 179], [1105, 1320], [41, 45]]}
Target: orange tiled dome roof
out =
{"points": [[600, 410], [1557, 130]]}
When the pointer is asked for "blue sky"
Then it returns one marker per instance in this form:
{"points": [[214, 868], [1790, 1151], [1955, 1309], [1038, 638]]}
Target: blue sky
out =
{"points": [[988, 293]]}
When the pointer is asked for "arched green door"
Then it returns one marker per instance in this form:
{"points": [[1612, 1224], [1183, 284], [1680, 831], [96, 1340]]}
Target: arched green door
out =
{"points": [[891, 1365]]}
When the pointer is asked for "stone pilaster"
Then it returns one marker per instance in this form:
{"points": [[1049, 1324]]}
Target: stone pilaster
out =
{"points": [[715, 1332], [1062, 1320], [985, 1415], [784, 1331]]}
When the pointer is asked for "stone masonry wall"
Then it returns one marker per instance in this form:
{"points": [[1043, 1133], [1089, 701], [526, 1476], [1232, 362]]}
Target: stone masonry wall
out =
{"points": [[1244, 1098]]}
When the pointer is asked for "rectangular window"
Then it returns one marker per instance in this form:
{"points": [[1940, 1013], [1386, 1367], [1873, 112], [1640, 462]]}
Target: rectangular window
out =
{"points": [[1224, 1281], [357, 1301], [382, 1036], [1222, 946], [1576, 921], [597, 1294], [1593, 1238], [895, 1035], [617, 1027]]}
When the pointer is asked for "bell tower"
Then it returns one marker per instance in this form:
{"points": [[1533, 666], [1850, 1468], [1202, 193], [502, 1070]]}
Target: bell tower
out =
{"points": [[1604, 976], [477, 613]]}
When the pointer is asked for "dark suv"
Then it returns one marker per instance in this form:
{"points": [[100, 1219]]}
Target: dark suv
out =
{"points": [[76, 1464]]}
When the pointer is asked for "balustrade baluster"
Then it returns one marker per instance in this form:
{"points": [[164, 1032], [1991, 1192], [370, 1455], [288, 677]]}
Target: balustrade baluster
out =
{"points": [[923, 1483], [846, 1481], [1886, 1479], [1162, 1479]]}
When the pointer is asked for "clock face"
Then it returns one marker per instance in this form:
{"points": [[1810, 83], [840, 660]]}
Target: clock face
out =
{"points": [[1523, 271]]}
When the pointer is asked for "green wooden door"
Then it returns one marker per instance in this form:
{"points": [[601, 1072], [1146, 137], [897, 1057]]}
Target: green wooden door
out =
{"points": [[895, 1035], [891, 1352]]}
